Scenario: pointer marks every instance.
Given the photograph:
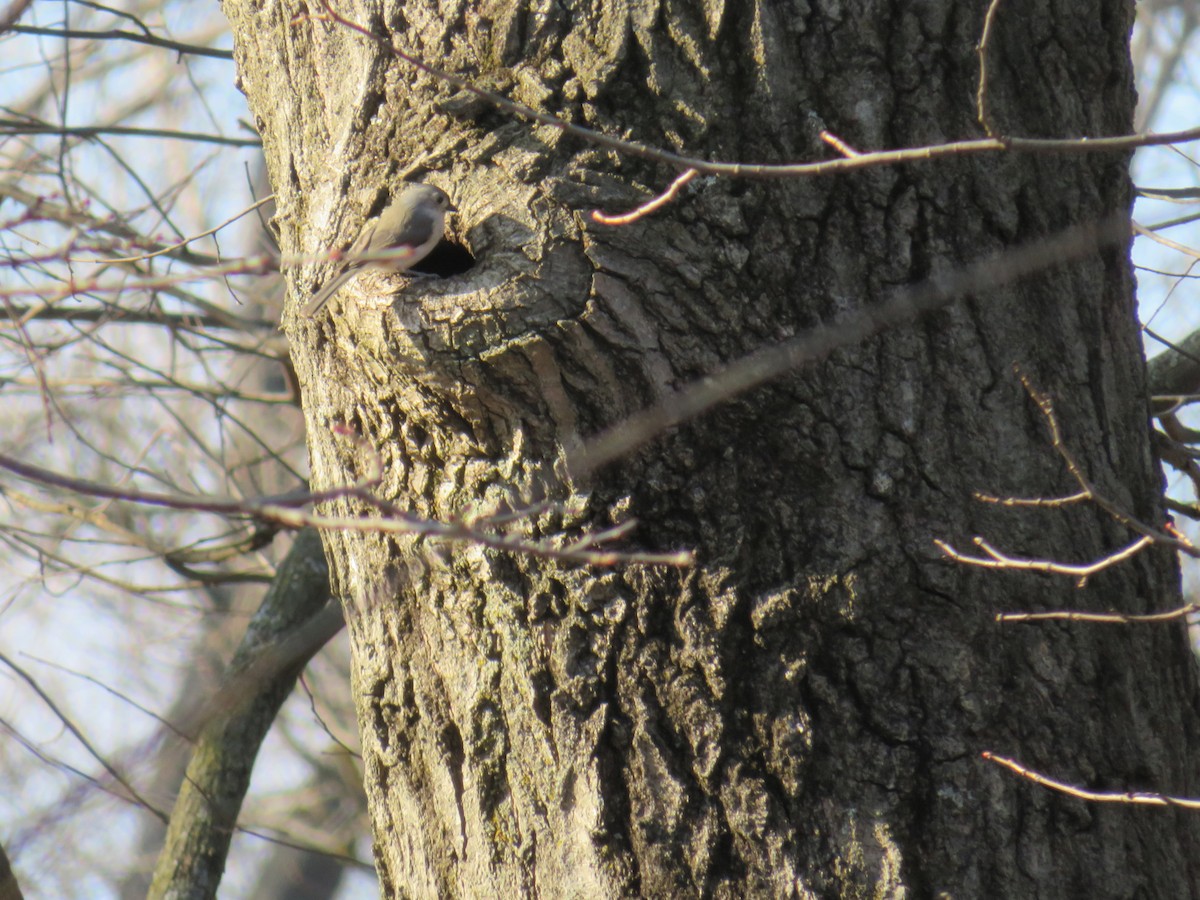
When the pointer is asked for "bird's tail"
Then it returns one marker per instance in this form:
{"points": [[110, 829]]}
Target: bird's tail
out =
{"points": [[321, 297]]}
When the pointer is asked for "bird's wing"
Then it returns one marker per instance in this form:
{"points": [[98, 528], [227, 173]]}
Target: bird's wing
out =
{"points": [[417, 228]]}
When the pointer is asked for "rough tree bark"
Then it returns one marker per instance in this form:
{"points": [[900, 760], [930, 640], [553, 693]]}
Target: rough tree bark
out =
{"points": [[802, 713]]}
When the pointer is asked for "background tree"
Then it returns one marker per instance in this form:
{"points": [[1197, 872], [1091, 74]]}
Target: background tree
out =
{"points": [[155, 367], [801, 711]]}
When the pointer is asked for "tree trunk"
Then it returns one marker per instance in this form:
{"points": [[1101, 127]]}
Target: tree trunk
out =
{"points": [[802, 713]]}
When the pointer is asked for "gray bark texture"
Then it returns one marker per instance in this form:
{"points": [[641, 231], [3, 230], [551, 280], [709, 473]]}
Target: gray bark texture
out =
{"points": [[802, 713]]}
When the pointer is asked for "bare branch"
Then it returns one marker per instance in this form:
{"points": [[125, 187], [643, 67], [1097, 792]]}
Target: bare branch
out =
{"points": [[16, 127], [1170, 615], [116, 776], [647, 208], [279, 511], [981, 96], [116, 34], [997, 560], [8, 20], [1137, 798]]}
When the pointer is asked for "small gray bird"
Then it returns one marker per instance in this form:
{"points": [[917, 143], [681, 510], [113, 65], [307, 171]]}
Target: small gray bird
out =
{"points": [[407, 230]]}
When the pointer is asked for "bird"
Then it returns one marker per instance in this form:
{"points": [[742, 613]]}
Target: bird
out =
{"points": [[409, 227]]}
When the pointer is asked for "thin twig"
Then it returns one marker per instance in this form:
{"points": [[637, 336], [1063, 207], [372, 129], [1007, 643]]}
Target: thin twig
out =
{"points": [[645, 209], [981, 96], [1141, 798], [1101, 618], [997, 560]]}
